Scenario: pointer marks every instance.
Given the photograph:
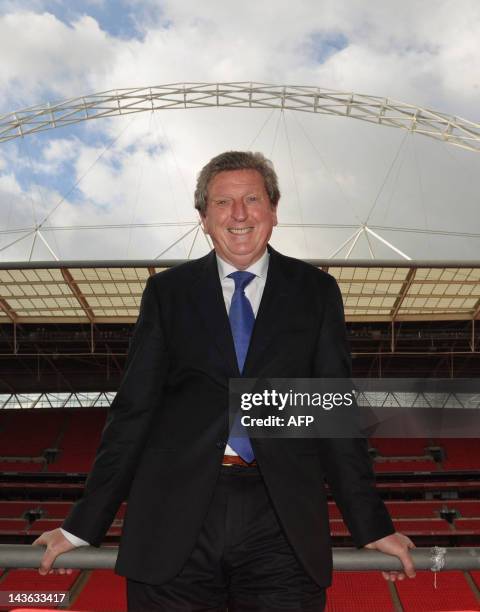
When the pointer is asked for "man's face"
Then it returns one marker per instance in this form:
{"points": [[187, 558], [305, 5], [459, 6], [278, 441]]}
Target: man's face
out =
{"points": [[239, 217]]}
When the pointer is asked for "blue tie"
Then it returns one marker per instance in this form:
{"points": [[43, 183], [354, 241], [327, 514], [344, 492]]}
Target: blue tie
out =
{"points": [[242, 321]]}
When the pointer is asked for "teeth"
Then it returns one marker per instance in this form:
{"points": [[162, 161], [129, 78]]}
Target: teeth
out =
{"points": [[239, 230]]}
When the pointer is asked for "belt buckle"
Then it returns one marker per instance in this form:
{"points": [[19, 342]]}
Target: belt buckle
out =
{"points": [[236, 460]]}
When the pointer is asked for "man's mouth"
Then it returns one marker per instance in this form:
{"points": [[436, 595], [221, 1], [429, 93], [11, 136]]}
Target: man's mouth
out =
{"points": [[240, 230]]}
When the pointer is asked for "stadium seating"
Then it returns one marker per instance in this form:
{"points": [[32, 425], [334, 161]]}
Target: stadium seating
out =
{"points": [[460, 454], [452, 593], [79, 442], [103, 591], [466, 508], [13, 526], [422, 526], [359, 592], [30, 506], [406, 466], [412, 455], [58, 509], [16, 509], [17, 580], [31, 431], [400, 447], [418, 527], [416, 509], [39, 526], [470, 526], [21, 466]]}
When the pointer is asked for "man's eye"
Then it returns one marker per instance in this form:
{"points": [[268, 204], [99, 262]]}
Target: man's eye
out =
{"points": [[222, 202], [251, 199]]}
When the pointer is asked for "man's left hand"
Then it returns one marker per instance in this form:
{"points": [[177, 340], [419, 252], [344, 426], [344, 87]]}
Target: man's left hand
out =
{"points": [[397, 545]]}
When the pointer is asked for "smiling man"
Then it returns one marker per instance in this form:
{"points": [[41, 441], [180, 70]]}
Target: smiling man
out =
{"points": [[240, 215], [215, 519]]}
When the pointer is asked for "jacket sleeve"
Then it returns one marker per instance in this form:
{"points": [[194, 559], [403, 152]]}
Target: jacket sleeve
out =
{"points": [[346, 461], [127, 425]]}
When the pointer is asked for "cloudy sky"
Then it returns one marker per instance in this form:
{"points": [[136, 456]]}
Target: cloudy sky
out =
{"points": [[137, 173]]}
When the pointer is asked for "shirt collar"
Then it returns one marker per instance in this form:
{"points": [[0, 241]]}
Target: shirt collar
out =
{"points": [[259, 268]]}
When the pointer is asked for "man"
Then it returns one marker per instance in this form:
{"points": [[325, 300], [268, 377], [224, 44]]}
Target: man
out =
{"points": [[214, 520]]}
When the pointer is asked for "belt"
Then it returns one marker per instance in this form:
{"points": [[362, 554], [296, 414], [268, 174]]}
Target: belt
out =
{"points": [[236, 460]]}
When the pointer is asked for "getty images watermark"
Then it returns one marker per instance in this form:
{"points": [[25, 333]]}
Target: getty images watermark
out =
{"points": [[330, 408], [287, 401]]}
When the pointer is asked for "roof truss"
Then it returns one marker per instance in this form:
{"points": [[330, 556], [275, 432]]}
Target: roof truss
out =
{"points": [[110, 292]]}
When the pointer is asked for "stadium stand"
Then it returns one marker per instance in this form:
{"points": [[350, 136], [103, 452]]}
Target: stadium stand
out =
{"points": [[79, 441], [359, 592], [416, 509], [35, 501], [102, 590], [431, 486], [460, 454], [453, 592], [17, 580], [19, 465], [399, 447], [13, 526], [405, 465], [29, 431]]}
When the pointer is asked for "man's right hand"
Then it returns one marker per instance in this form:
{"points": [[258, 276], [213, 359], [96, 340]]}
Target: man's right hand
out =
{"points": [[56, 544]]}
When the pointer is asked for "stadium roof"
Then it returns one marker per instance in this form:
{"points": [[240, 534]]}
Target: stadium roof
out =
{"points": [[110, 291]]}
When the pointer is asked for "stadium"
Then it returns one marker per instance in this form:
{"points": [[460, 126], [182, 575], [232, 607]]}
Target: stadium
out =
{"points": [[66, 324]]}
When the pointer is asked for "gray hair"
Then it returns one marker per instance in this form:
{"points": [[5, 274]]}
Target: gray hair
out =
{"points": [[236, 160]]}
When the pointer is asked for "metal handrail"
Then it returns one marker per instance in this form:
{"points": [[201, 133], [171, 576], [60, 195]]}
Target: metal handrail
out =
{"points": [[344, 559]]}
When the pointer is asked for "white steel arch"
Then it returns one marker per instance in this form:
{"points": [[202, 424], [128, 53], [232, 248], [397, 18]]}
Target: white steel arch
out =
{"points": [[374, 109]]}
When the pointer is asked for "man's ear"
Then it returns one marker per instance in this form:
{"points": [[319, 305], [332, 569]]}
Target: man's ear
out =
{"points": [[203, 223], [274, 215]]}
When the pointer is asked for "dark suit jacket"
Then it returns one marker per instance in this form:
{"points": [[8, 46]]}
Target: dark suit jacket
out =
{"points": [[165, 436]]}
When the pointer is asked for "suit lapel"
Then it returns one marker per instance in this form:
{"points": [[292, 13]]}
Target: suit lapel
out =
{"points": [[273, 312], [207, 297]]}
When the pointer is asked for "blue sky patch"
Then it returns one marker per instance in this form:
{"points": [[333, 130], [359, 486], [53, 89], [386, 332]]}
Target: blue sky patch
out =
{"points": [[118, 18], [323, 45]]}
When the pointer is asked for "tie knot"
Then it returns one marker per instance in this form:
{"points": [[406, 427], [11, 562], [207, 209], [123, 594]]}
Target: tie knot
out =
{"points": [[241, 279]]}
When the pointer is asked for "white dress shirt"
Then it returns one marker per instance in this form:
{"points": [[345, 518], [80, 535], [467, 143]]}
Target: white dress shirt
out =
{"points": [[253, 291]]}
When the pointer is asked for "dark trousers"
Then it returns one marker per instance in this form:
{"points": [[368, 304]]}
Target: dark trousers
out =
{"points": [[241, 561]]}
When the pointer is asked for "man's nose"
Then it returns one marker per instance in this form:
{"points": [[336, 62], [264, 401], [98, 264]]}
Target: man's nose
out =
{"points": [[239, 210]]}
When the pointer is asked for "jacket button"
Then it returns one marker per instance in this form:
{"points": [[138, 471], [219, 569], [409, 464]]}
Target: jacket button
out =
{"points": [[221, 444]]}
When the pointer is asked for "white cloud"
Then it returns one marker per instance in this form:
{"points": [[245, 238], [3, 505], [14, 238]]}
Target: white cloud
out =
{"points": [[422, 53], [43, 55]]}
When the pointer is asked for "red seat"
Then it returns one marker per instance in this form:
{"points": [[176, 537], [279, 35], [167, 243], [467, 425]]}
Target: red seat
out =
{"points": [[31, 430], [399, 447], [405, 466], [460, 454], [468, 508], [422, 527], [21, 466], [80, 441], [42, 525], [359, 592], [58, 509], [334, 511], [467, 525], [30, 580], [338, 528], [415, 509], [13, 526], [104, 590], [16, 509], [452, 593]]}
